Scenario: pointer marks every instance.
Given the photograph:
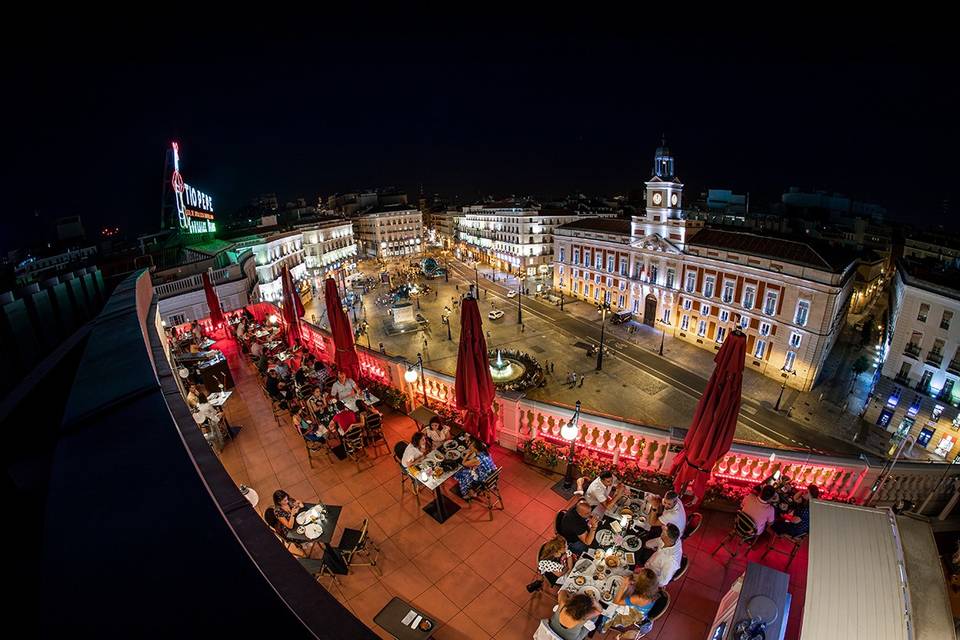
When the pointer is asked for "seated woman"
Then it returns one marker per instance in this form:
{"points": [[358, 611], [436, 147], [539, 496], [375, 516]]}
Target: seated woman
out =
{"points": [[305, 426], [286, 509], [369, 416], [554, 560], [634, 599], [477, 465], [437, 432], [572, 614], [344, 420]]}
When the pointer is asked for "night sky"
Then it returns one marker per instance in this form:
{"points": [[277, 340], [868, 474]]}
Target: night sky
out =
{"points": [[522, 113]]}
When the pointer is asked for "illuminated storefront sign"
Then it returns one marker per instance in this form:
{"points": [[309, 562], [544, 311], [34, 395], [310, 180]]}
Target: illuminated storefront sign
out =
{"points": [[194, 208]]}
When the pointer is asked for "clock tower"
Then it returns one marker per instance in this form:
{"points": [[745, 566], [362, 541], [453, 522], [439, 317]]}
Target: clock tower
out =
{"points": [[663, 214]]}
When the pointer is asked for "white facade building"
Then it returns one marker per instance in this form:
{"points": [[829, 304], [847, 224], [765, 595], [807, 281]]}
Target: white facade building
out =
{"points": [[917, 394], [271, 254], [389, 231], [512, 236], [184, 300], [699, 284], [329, 245]]}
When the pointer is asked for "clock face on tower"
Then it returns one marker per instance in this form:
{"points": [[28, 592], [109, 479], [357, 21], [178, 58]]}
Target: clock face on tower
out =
{"points": [[657, 198], [674, 198]]}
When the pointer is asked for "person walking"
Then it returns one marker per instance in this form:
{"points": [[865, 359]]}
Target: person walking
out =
{"points": [[573, 376], [552, 365], [582, 378]]}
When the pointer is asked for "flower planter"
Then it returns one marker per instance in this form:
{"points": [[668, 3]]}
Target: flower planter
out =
{"points": [[560, 467]]}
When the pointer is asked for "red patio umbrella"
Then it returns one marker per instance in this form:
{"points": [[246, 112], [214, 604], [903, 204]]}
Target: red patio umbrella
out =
{"points": [[213, 303], [345, 355], [474, 385], [290, 301], [715, 419]]}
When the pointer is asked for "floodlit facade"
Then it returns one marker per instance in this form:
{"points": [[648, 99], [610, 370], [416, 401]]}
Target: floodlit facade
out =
{"points": [[698, 284], [389, 231], [328, 246]]}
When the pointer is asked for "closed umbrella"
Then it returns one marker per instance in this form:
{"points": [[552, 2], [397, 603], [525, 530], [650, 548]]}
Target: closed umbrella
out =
{"points": [[345, 356], [715, 419], [213, 303], [290, 301], [474, 385]]}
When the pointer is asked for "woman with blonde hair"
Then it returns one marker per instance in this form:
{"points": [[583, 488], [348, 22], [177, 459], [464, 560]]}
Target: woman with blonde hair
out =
{"points": [[553, 560], [634, 600]]}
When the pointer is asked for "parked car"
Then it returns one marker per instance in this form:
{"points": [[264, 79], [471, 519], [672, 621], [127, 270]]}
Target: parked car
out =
{"points": [[496, 314], [620, 317], [512, 293], [553, 299]]}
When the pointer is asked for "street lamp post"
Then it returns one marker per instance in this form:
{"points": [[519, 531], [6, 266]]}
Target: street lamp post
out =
{"points": [[519, 305], [663, 333], [561, 300], [569, 433], [446, 321], [411, 376], [783, 385], [603, 307]]}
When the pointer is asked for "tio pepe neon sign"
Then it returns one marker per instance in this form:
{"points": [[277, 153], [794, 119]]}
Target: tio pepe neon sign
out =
{"points": [[194, 208]]}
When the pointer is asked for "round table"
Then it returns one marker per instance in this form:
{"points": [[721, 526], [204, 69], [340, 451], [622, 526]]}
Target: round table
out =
{"points": [[252, 496]]}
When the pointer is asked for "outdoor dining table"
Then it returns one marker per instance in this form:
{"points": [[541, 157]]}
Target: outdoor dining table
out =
{"points": [[424, 472], [328, 523], [368, 398], [404, 622]]}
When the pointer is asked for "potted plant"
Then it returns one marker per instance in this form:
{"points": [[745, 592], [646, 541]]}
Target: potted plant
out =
{"points": [[545, 455]]}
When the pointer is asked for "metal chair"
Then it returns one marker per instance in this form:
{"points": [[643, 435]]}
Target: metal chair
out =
{"points": [[373, 432], [315, 446], [681, 570], [352, 441], [795, 541], [274, 523], [744, 532], [356, 541], [558, 520], [489, 491], [693, 525], [318, 569], [405, 476]]}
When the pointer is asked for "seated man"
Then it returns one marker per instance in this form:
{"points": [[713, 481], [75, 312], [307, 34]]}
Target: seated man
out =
{"points": [[601, 491], [578, 527], [344, 419], [670, 511], [344, 388], [797, 523], [275, 387], [667, 552], [759, 508]]}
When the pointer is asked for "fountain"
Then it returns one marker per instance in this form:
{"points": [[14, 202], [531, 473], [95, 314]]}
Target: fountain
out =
{"points": [[504, 370]]}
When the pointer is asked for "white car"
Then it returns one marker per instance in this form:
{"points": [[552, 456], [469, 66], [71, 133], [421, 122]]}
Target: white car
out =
{"points": [[512, 293], [496, 314]]}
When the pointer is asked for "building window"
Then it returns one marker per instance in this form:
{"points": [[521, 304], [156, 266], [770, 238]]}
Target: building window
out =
{"points": [[744, 321], [560, 272], [620, 302], [945, 446], [764, 328], [666, 316], [702, 328], [623, 267], [924, 438], [599, 261], [610, 264], [945, 320], [670, 277], [708, 287], [904, 374], [606, 297], [691, 282], [770, 306], [760, 349], [687, 304], [724, 315], [586, 257], [596, 293], [721, 334], [794, 339], [684, 322], [803, 310], [596, 278], [653, 274], [924, 310], [636, 306], [727, 292], [749, 293], [561, 254], [936, 413], [576, 287], [788, 361], [704, 309], [576, 256]]}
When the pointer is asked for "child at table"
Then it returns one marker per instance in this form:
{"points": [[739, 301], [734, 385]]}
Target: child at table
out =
{"points": [[437, 432]]}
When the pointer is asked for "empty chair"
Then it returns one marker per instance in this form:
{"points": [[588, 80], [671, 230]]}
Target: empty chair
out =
{"points": [[318, 568], [353, 444], [795, 543], [744, 532], [693, 525], [357, 541], [489, 491], [373, 431]]}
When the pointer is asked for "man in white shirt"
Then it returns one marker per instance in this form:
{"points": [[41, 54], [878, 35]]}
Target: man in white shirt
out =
{"points": [[603, 491], [344, 388], [256, 349], [671, 512], [760, 509], [668, 550], [414, 451]]}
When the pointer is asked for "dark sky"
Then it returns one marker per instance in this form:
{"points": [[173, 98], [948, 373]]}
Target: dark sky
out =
{"points": [[541, 114]]}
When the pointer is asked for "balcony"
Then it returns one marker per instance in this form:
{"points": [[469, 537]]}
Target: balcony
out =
{"points": [[934, 358], [954, 367], [904, 380], [912, 350]]}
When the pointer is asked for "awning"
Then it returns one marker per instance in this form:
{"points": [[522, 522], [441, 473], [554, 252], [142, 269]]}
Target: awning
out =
{"points": [[873, 575]]}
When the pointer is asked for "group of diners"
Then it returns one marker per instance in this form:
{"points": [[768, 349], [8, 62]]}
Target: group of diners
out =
{"points": [[477, 463]]}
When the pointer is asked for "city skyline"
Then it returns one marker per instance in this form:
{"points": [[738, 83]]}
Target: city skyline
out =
{"points": [[584, 117]]}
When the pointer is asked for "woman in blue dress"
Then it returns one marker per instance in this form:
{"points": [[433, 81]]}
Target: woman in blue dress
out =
{"points": [[477, 465]]}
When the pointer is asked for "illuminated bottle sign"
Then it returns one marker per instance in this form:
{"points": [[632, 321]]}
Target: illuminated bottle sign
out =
{"points": [[194, 208]]}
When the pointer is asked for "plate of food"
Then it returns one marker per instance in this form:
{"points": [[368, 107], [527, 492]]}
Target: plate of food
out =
{"points": [[313, 531], [612, 561], [610, 588], [604, 537], [302, 517], [626, 511], [435, 455], [583, 565], [453, 454], [632, 543], [450, 444], [438, 472], [593, 592], [425, 625], [580, 581]]}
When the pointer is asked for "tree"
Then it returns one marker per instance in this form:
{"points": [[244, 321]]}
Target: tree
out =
{"points": [[861, 365]]}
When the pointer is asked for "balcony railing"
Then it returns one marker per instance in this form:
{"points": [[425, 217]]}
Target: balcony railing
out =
{"points": [[934, 358], [912, 350], [904, 380], [923, 386]]}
